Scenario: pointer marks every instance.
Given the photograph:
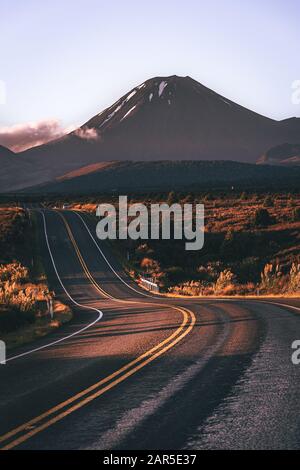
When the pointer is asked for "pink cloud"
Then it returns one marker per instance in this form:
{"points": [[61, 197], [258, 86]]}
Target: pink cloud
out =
{"points": [[23, 136], [87, 133]]}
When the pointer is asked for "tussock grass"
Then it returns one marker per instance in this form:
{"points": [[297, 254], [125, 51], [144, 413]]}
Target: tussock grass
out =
{"points": [[24, 292]]}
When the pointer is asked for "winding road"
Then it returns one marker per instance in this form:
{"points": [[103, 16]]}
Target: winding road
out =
{"points": [[138, 371]]}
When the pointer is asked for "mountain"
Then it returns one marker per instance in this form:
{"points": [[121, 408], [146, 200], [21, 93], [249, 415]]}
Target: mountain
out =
{"points": [[175, 175], [12, 169], [285, 154], [164, 118]]}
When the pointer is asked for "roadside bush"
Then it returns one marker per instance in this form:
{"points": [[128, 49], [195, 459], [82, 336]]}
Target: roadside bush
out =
{"points": [[150, 265], [225, 282], [210, 272], [14, 272], [294, 282], [192, 288], [270, 278], [20, 300]]}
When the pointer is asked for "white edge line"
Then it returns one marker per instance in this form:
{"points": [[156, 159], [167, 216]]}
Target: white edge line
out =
{"points": [[108, 263], [279, 304], [100, 313], [257, 301]]}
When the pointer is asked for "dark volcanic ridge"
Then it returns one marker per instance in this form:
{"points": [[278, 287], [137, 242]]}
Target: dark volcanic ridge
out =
{"points": [[172, 175]]}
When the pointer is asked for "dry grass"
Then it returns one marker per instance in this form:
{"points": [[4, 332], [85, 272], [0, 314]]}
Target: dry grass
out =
{"points": [[24, 292], [237, 249], [236, 214], [41, 327]]}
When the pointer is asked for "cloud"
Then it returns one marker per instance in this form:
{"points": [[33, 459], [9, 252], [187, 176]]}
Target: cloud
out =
{"points": [[87, 133], [23, 136]]}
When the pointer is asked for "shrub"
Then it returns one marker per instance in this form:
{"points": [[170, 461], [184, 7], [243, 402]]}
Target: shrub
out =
{"points": [[192, 288], [262, 218], [296, 214], [210, 272], [14, 272], [270, 277], [20, 300], [149, 264], [269, 201], [294, 282], [225, 281]]}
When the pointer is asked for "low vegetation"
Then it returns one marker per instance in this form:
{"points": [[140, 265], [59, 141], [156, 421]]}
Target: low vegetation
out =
{"points": [[252, 246], [25, 298]]}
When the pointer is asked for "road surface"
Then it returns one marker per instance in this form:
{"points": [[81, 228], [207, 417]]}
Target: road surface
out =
{"points": [[136, 371]]}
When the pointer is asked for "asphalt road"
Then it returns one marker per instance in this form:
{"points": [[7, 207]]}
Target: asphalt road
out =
{"points": [[135, 371]]}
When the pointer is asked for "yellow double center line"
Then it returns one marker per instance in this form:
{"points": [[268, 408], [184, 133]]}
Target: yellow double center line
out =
{"points": [[27, 430]]}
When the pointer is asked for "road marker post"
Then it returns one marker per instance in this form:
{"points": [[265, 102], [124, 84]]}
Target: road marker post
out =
{"points": [[2, 352]]}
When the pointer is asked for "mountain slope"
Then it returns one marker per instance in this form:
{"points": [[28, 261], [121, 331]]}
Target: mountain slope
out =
{"points": [[5, 152], [165, 118], [175, 175], [13, 169]]}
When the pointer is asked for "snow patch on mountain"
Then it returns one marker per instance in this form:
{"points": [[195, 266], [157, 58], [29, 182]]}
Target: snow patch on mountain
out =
{"points": [[130, 95], [118, 108], [128, 112], [111, 115], [161, 87]]}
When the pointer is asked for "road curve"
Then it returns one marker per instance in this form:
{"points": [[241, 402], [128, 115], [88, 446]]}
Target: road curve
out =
{"points": [[132, 371]]}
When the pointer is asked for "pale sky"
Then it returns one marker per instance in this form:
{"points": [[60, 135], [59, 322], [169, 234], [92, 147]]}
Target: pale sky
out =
{"points": [[67, 60]]}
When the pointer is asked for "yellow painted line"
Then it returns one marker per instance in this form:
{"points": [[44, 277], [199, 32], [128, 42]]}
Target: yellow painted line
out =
{"points": [[82, 262], [95, 395], [101, 382], [115, 378]]}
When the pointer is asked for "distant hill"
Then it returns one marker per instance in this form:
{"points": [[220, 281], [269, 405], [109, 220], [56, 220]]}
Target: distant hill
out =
{"points": [[12, 168], [164, 118], [5, 152], [168, 175], [285, 154]]}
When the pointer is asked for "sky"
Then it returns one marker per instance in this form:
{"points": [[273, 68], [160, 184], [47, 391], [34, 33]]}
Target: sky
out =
{"points": [[61, 62]]}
